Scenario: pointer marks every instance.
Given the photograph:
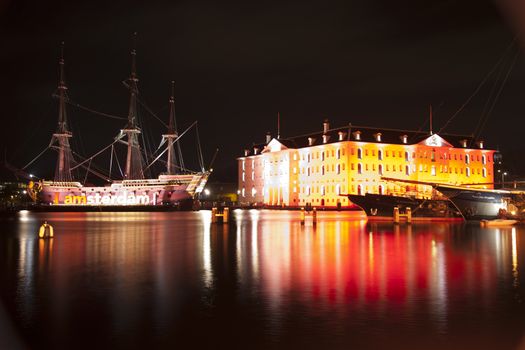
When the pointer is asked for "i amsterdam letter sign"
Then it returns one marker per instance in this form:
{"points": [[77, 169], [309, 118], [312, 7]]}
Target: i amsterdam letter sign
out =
{"points": [[108, 199]]}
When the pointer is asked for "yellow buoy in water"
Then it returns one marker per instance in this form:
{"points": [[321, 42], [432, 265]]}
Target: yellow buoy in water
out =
{"points": [[46, 231]]}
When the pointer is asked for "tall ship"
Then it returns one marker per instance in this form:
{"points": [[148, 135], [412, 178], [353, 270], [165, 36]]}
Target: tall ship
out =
{"points": [[173, 188]]}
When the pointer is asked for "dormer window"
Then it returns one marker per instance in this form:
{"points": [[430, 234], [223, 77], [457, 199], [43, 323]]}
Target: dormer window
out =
{"points": [[404, 139], [341, 135], [357, 135], [255, 150], [480, 144], [311, 141], [246, 152], [463, 143], [325, 138], [378, 137]]}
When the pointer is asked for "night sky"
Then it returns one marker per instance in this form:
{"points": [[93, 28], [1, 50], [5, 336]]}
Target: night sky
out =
{"points": [[236, 64]]}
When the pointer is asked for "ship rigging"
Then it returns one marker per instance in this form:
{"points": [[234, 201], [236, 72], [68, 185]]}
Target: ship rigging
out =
{"points": [[173, 186]]}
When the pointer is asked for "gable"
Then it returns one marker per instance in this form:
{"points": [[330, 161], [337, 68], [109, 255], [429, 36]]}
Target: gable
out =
{"points": [[274, 146], [435, 141]]}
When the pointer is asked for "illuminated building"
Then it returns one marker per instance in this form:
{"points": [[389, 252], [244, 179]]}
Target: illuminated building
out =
{"points": [[316, 169]]}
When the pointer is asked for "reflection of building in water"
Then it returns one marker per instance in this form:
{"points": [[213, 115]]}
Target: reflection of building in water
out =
{"points": [[317, 168], [342, 265]]}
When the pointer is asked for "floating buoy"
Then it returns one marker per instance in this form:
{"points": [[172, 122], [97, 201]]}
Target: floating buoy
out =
{"points": [[46, 231]]}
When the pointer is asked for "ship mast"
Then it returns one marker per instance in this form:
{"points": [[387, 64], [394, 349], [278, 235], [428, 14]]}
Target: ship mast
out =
{"points": [[62, 134], [133, 158], [171, 135]]}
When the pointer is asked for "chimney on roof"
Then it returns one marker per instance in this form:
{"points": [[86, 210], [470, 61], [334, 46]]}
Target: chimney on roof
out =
{"points": [[311, 141], [268, 137], [326, 126], [246, 152]]}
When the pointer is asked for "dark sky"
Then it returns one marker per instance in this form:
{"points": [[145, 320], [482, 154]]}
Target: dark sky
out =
{"points": [[237, 63]]}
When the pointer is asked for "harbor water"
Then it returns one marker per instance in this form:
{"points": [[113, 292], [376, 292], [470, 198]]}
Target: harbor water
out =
{"points": [[262, 281]]}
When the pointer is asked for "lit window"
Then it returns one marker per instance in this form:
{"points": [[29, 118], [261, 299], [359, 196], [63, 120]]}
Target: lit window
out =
{"points": [[406, 156], [484, 172], [359, 153], [243, 176], [467, 171], [433, 170], [380, 169], [484, 159], [338, 189], [338, 154], [243, 192], [254, 191], [407, 170], [322, 170], [323, 192], [380, 155], [338, 169], [243, 165], [467, 159], [253, 175], [359, 168]]}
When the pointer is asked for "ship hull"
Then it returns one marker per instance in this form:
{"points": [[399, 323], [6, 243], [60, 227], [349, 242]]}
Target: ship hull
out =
{"points": [[166, 193], [475, 204], [379, 207]]}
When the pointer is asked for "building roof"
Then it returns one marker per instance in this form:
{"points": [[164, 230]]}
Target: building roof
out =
{"points": [[369, 134]]}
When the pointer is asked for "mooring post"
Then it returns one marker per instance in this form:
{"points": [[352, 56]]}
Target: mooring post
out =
{"points": [[225, 215], [409, 215], [314, 216], [213, 214], [396, 215], [302, 216]]}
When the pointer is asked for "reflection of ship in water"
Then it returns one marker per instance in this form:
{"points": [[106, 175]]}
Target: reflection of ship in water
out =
{"points": [[136, 190], [378, 206]]}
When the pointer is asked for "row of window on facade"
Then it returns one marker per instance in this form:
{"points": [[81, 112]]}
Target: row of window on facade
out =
{"points": [[387, 153], [327, 190], [381, 169]]}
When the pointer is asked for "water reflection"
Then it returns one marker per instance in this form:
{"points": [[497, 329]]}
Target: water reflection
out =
{"points": [[157, 278]]}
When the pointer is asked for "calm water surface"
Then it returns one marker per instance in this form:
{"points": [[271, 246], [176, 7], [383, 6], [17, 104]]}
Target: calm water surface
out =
{"points": [[166, 280]]}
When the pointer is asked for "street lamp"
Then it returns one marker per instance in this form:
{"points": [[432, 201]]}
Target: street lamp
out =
{"points": [[503, 179]]}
